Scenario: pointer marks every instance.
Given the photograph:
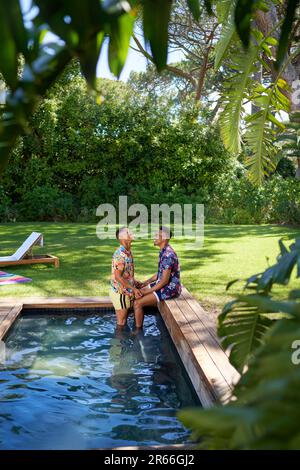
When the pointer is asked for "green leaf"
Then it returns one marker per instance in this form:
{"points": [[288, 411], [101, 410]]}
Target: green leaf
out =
{"points": [[267, 50], [259, 134], [208, 6], [83, 32], [279, 273], [194, 7], [272, 41], [156, 15], [275, 121], [286, 31], [89, 58], [267, 305], [236, 90], [283, 248], [223, 9], [8, 49], [22, 102], [243, 17], [222, 46], [120, 33], [242, 326], [294, 294], [17, 26], [264, 413], [231, 283], [53, 14]]}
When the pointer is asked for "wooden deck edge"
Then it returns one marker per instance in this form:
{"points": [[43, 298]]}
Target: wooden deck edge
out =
{"points": [[10, 318], [203, 376], [192, 366], [61, 302]]}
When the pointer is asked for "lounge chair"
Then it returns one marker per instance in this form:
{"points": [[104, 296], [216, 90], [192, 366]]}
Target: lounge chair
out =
{"points": [[24, 254]]}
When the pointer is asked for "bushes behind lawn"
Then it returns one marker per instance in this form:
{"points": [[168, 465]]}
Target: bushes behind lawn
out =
{"points": [[80, 154], [233, 201]]}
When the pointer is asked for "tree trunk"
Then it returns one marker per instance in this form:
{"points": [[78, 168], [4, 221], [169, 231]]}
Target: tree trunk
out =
{"points": [[201, 78]]}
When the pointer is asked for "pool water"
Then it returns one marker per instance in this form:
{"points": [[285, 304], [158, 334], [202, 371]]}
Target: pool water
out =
{"points": [[75, 382]]}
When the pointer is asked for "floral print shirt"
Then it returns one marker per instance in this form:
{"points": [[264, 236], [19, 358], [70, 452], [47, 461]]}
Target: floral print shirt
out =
{"points": [[122, 261], [168, 260]]}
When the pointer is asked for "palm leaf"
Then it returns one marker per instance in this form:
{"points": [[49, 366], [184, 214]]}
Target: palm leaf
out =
{"points": [[223, 8], [235, 91], [264, 413], [227, 35], [226, 16], [259, 137], [245, 320], [279, 273], [242, 328]]}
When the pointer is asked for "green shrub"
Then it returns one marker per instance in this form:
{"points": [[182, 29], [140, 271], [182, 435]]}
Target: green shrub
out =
{"points": [[237, 201], [81, 154], [5, 204], [47, 203], [285, 201], [286, 168]]}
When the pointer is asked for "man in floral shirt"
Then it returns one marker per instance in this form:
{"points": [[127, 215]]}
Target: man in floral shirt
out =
{"points": [[166, 283], [124, 288]]}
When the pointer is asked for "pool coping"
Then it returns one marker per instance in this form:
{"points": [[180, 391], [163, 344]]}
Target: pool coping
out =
{"points": [[190, 327]]}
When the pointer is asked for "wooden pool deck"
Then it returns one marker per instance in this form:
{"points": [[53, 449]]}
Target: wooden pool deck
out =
{"points": [[191, 329]]}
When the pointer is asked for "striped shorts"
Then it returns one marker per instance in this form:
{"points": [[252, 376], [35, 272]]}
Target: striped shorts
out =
{"points": [[120, 301]]}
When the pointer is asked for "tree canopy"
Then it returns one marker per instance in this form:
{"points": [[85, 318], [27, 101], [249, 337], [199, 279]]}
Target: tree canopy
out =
{"points": [[82, 28]]}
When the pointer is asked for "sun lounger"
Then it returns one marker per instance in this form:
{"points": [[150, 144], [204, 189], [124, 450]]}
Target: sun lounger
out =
{"points": [[24, 254]]}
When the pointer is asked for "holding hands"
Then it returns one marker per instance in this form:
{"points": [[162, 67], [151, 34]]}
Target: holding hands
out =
{"points": [[137, 293], [141, 288]]}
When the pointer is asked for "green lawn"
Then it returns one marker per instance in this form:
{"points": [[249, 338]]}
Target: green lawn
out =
{"points": [[229, 252]]}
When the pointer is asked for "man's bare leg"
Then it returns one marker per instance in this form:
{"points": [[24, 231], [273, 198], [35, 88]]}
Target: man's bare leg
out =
{"points": [[149, 300], [122, 316]]}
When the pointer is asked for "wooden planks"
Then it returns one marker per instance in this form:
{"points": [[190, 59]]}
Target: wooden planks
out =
{"points": [[194, 336], [63, 302], [8, 315], [202, 315]]}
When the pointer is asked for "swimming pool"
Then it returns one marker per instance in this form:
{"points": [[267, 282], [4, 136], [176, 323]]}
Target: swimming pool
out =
{"points": [[72, 381]]}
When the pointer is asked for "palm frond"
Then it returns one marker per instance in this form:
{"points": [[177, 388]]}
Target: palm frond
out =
{"points": [[264, 413], [236, 90], [245, 320], [262, 128], [242, 328], [259, 137], [228, 33]]}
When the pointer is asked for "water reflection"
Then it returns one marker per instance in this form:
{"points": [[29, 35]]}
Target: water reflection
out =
{"points": [[77, 382]]}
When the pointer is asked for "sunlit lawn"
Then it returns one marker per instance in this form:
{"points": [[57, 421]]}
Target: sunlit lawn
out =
{"points": [[228, 252]]}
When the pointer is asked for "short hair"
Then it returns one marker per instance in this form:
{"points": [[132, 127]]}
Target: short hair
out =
{"points": [[118, 232], [167, 231]]}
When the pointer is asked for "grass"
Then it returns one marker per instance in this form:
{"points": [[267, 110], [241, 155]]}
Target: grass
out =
{"points": [[229, 252]]}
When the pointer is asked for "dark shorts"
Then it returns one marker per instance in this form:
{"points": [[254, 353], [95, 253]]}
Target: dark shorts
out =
{"points": [[158, 294]]}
